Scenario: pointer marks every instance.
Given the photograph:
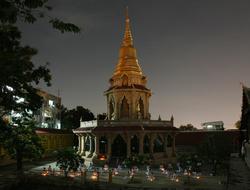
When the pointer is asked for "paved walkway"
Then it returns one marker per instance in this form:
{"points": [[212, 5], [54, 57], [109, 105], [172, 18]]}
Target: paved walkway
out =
{"points": [[8, 174], [239, 178]]}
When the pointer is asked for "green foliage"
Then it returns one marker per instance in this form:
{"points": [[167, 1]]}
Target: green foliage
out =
{"points": [[19, 138], [102, 116], [238, 124], [70, 119], [18, 72], [17, 94], [188, 127], [30, 11], [18, 75], [64, 27], [68, 160]]}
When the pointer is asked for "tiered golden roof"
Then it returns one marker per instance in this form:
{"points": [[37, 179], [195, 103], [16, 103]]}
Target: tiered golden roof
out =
{"points": [[128, 62]]}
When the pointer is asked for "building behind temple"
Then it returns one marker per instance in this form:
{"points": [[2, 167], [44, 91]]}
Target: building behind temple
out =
{"points": [[128, 129], [48, 116], [213, 125]]}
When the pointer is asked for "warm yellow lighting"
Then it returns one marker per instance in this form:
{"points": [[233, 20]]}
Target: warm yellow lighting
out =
{"points": [[102, 157], [151, 178], [45, 173], [177, 180], [94, 176]]}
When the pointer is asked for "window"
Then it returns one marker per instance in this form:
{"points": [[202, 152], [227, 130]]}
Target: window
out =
{"points": [[51, 103]]}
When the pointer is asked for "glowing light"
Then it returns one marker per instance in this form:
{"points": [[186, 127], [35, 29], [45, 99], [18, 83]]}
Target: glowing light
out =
{"points": [[94, 176], [51, 103], [151, 178], [45, 173], [102, 157]]}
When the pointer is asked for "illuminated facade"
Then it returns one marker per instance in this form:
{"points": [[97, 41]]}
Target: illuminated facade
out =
{"points": [[49, 114], [128, 129], [214, 125]]}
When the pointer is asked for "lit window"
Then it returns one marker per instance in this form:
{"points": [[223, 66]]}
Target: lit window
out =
{"points": [[51, 103], [209, 126]]}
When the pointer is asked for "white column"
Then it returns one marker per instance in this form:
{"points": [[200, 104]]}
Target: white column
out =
{"points": [[97, 145], [83, 143], [79, 145], [90, 144]]}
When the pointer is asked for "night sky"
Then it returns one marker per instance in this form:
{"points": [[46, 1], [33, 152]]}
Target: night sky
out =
{"points": [[195, 53]]}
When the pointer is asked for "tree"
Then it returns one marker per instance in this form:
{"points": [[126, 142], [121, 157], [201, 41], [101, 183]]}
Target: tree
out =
{"points": [[18, 97], [17, 73], [21, 140], [102, 116], [18, 76], [70, 119], [188, 127], [68, 160], [238, 124], [30, 11]]}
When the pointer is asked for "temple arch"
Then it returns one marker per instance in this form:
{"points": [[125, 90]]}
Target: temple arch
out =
{"points": [[124, 80], [119, 147], [103, 145], [112, 109], [169, 141], [92, 144], [158, 144], [124, 113], [146, 144], [140, 108], [134, 145]]}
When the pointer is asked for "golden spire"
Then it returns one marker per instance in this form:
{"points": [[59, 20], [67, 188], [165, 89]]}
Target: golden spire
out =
{"points": [[128, 62], [127, 39]]}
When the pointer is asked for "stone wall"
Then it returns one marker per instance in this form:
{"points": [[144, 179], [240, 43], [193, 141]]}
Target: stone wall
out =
{"points": [[52, 140]]}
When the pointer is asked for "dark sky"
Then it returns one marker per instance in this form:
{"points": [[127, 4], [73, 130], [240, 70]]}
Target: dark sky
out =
{"points": [[195, 53]]}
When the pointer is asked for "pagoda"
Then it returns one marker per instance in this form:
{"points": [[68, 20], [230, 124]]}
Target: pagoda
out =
{"points": [[128, 129]]}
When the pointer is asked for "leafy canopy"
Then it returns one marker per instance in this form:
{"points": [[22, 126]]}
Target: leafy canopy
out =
{"points": [[18, 76], [30, 11], [68, 160], [70, 119], [18, 73]]}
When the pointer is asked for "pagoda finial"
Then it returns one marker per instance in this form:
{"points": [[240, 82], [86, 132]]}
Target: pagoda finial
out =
{"points": [[127, 17], [242, 84], [127, 39]]}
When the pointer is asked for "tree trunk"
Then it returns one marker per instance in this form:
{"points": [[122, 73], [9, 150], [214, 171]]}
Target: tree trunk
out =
{"points": [[19, 161], [65, 173]]}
